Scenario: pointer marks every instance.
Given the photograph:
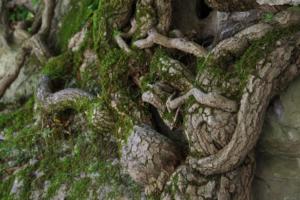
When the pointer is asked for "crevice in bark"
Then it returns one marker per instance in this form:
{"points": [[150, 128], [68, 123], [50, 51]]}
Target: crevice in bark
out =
{"points": [[202, 9], [176, 135]]}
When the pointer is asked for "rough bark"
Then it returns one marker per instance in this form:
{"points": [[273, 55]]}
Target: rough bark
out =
{"points": [[220, 127], [150, 158], [258, 92]]}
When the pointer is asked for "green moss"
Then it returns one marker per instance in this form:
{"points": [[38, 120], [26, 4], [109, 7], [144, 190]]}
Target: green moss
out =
{"points": [[79, 189], [124, 127], [115, 69], [107, 20], [268, 17], [90, 80], [158, 69], [5, 187], [80, 11], [16, 120], [25, 175], [173, 187], [60, 66], [258, 50]]}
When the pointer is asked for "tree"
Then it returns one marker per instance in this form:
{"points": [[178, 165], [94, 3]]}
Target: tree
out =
{"points": [[183, 86]]}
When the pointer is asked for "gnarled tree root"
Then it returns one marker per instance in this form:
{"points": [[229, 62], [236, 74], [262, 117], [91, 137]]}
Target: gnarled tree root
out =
{"points": [[181, 44], [66, 98], [277, 70], [236, 45], [33, 45]]}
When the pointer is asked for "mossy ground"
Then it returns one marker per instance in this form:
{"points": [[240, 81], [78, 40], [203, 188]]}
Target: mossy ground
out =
{"points": [[75, 156], [78, 158], [78, 15]]}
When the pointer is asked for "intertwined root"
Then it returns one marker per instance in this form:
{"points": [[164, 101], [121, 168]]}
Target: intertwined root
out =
{"points": [[33, 44], [229, 152], [221, 132]]}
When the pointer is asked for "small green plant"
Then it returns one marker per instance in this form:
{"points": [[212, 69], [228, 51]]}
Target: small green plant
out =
{"points": [[268, 17]]}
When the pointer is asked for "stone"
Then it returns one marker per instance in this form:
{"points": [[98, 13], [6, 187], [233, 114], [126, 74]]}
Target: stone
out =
{"points": [[278, 152]]}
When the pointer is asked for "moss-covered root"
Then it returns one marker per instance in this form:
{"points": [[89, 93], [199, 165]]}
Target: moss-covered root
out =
{"points": [[236, 45], [67, 98]]}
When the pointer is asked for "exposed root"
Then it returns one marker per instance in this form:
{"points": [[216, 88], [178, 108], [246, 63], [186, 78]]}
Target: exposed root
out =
{"points": [[236, 45], [212, 99], [38, 47], [76, 41], [6, 81], [47, 17], [121, 43], [174, 43], [132, 30], [153, 99], [33, 45], [66, 98], [258, 92]]}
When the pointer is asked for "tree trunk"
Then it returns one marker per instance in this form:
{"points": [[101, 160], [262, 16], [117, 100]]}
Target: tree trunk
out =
{"points": [[188, 89]]}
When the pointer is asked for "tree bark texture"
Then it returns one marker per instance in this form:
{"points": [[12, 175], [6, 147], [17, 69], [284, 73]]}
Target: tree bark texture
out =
{"points": [[187, 118]]}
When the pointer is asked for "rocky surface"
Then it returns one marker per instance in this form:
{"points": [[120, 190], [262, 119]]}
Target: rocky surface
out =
{"points": [[278, 154]]}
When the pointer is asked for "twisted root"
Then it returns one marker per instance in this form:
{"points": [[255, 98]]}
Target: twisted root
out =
{"points": [[276, 71], [66, 98], [181, 44]]}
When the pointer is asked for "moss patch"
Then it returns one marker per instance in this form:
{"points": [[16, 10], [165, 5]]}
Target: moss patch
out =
{"points": [[108, 18], [80, 11]]}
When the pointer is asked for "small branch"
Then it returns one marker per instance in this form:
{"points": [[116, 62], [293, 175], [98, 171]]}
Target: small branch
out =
{"points": [[209, 99], [66, 98], [174, 43]]}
